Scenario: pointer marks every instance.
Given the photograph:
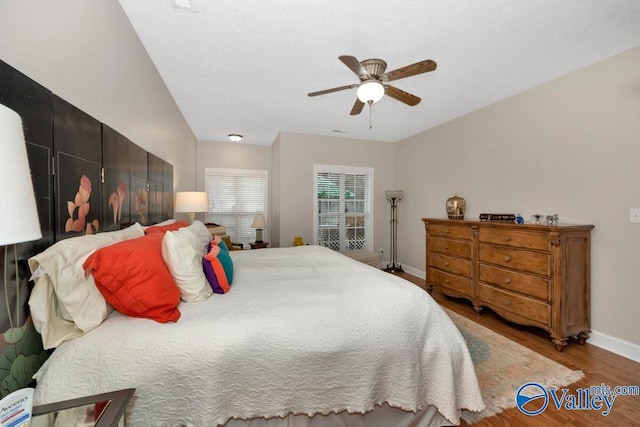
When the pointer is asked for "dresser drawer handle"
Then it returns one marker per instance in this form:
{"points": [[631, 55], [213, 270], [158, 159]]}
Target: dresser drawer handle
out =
{"points": [[507, 238], [507, 280], [507, 302], [446, 281], [446, 264], [507, 258], [447, 231], [446, 246]]}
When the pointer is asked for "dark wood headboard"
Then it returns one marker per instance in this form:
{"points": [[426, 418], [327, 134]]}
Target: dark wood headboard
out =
{"points": [[87, 178]]}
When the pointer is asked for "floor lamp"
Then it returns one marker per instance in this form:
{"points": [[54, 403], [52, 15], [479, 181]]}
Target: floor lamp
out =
{"points": [[394, 197]]}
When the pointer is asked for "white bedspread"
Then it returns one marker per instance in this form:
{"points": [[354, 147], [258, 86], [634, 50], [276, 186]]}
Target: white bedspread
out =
{"points": [[303, 330]]}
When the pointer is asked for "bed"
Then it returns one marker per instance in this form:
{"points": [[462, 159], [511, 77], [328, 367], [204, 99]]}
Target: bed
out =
{"points": [[304, 337]]}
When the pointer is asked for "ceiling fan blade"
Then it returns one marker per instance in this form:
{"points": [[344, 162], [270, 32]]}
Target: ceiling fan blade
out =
{"points": [[335, 89], [357, 107], [354, 65], [410, 70], [401, 95]]}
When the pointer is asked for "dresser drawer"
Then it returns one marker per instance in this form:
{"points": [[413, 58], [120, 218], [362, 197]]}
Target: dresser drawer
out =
{"points": [[526, 284], [515, 238], [527, 308], [458, 266], [533, 262], [458, 284], [451, 230], [460, 248]]}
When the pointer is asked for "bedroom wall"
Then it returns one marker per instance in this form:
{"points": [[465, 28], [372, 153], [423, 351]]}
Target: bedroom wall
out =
{"points": [[87, 53], [569, 147], [229, 155], [297, 155], [290, 161]]}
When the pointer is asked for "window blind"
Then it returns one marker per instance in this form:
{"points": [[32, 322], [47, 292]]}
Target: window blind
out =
{"points": [[343, 201], [235, 197]]}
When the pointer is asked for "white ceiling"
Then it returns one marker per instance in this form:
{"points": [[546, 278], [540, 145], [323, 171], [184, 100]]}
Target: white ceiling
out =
{"points": [[246, 66]]}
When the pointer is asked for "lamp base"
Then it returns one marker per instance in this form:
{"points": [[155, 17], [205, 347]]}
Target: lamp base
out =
{"points": [[394, 268], [192, 217], [259, 235]]}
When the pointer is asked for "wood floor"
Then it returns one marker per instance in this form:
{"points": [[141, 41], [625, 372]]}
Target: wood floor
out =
{"points": [[599, 366]]}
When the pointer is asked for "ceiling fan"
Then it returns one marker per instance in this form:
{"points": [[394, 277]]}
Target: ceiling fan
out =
{"points": [[374, 81]]}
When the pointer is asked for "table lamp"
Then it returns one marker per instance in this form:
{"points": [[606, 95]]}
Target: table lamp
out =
{"points": [[191, 202], [19, 216], [259, 224]]}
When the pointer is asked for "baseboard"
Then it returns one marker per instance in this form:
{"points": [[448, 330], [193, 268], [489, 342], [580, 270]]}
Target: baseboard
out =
{"points": [[599, 339], [615, 345], [414, 272]]}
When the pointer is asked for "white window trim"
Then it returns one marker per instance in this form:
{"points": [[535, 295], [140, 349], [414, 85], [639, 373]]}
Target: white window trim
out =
{"points": [[249, 172], [363, 170]]}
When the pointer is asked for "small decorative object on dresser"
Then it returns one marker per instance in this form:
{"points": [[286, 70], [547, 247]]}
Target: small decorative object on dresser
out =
{"points": [[456, 207], [530, 274], [259, 245], [497, 217]]}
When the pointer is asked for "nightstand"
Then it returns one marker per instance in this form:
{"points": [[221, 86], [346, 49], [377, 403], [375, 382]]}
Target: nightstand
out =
{"points": [[259, 245], [106, 408]]}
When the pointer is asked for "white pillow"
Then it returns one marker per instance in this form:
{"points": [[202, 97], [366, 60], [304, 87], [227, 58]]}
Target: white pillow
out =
{"points": [[202, 233], [64, 302], [182, 252]]}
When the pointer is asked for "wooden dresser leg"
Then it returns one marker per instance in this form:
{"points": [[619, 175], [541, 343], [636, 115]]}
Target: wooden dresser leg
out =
{"points": [[560, 344], [582, 337]]}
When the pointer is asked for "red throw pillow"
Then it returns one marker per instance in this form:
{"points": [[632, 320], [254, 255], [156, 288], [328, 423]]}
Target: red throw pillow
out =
{"points": [[163, 228], [133, 278]]}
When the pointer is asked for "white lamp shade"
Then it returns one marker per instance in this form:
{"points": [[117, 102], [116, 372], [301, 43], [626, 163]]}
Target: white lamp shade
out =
{"points": [[259, 222], [370, 90], [192, 201], [19, 215]]}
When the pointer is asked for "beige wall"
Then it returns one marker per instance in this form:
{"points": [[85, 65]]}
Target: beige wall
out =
{"points": [[298, 153], [570, 147], [87, 53], [274, 221], [290, 163], [229, 155]]}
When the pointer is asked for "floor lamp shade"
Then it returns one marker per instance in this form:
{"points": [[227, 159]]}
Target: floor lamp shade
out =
{"points": [[191, 202], [19, 215]]}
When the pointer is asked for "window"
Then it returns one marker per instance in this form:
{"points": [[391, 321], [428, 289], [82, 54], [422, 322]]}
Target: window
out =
{"points": [[235, 197], [344, 220]]}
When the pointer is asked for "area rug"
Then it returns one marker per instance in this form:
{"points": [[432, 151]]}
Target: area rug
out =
{"points": [[502, 366]]}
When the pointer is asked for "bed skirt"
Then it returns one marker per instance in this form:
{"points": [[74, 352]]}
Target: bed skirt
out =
{"points": [[382, 416]]}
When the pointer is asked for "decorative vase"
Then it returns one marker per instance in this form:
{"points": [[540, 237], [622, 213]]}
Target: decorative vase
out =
{"points": [[456, 207], [297, 241]]}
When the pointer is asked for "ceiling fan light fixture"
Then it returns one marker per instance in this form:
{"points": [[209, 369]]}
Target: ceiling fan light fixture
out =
{"points": [[235, 137], [370, 91]]}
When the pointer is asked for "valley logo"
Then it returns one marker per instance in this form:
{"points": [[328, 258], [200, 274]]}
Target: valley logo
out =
{"points": [[533, 398]]}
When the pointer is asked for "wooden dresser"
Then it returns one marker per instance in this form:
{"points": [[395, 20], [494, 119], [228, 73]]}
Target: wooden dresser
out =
{"points": [[530, 274]]}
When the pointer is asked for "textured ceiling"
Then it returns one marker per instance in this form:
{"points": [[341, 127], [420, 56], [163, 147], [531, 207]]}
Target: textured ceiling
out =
{"points": [[236, 66]]}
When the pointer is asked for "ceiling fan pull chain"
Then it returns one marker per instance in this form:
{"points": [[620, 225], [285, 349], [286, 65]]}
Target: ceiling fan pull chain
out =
{"points": [[370, 108]]}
